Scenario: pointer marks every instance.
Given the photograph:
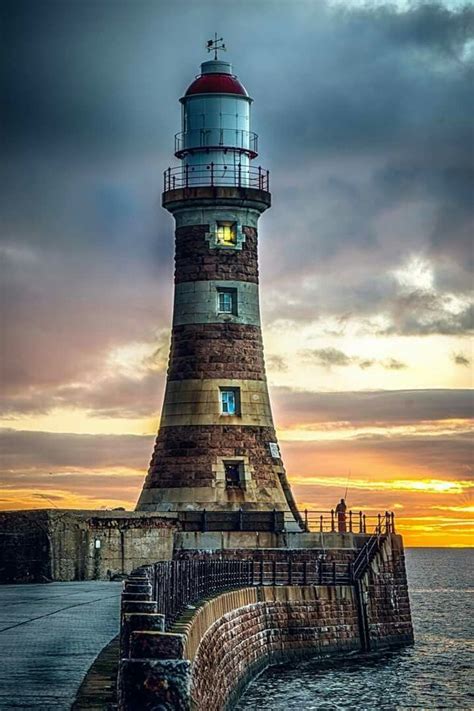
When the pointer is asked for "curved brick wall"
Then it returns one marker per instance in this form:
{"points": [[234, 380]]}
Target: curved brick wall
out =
{"points": [[229, 350], [281, 624], [182, 458], [195, 261]]}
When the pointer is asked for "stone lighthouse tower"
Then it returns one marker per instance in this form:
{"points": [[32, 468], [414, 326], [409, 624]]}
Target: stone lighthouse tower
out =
{"points": [[216, 447]]}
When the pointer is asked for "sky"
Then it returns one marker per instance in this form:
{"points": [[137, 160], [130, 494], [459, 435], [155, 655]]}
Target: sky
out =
{"points": [[364, 112]]}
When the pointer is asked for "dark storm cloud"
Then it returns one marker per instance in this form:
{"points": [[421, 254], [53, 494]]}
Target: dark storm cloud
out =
{"points": [[382, 407], [364, 117], [43, 450]]}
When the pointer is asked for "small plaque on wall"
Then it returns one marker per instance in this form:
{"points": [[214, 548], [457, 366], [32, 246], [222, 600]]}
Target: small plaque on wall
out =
{"points": [[274, 450]]}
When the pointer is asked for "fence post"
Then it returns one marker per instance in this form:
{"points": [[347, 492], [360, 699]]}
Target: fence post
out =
{"points": [[212, 174], [290, 571], [332, 520], [241, 515], [259, 177], [364, 519], [334, 572], [186, 170], [239, 175], [379, 523], [274, 571], [261, 572], [350, 521], [305, 572], [268, 180], [393, 522], [321, 523], [306, 519], [360, 521]]}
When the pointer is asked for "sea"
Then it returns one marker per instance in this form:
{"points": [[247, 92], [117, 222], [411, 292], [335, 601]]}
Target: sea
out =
{"points": [[436, 673]]}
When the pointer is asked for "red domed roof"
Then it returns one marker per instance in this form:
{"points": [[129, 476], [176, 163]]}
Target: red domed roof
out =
{"points": [[216, 84]]}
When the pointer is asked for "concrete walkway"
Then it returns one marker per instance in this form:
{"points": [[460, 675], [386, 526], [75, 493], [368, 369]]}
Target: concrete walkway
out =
{"points": [[49, 637]]}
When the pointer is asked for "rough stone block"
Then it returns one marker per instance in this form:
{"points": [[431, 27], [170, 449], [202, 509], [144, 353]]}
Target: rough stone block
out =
{"points": [[138, 621], [149, 685], [156, 645]]}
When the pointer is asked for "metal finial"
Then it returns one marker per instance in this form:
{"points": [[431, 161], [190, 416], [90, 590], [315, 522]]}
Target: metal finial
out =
{"points": [[215, 45]]}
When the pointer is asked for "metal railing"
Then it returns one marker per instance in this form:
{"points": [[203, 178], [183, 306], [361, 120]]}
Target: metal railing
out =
{"points": [[215, 138], [348, 522], [177, 585], [216, 174], [370, 548]]}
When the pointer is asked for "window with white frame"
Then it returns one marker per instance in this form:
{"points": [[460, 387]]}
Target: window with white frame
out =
{"points": [[227, 301], [230, 401]]}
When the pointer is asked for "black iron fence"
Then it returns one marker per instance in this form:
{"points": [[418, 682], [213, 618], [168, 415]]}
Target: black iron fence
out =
{"points": [[216, 174], [179, 584], [275, 521], [348, 522]]}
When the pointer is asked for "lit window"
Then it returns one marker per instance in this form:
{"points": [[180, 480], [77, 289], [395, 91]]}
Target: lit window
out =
{"points": [[227, 233], [234, 475], [227, 301], [230, 401]]}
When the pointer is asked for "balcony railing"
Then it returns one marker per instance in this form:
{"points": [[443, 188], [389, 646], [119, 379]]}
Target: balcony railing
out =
{"points": [[216, 138], [216, 174]]}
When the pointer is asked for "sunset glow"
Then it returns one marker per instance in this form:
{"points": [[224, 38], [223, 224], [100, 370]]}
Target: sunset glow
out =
{"points": [[365, 256]]}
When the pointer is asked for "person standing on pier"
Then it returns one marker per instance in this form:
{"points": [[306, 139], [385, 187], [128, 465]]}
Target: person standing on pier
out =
{"points": [[341, 516]]}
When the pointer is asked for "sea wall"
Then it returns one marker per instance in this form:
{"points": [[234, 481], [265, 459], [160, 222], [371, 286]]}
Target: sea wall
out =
{"points": [[219, 643], [384, 594], [207, 658], [280, 624]]}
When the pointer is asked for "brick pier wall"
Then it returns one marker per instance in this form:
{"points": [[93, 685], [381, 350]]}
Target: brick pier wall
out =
{"points": [[385, 595], [219, 644], [278, 625]]}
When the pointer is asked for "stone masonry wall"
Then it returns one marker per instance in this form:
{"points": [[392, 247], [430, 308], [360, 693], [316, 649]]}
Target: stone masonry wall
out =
{"points": [[226, 350], [385, 592], [64, 545], [285, 623], [194, 260], [185, 456]]}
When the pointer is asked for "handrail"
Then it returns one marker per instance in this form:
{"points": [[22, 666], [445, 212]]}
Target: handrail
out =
{"points": [[347, 522], [368, 550], [179, 584], [199, 139], [215, 175]]}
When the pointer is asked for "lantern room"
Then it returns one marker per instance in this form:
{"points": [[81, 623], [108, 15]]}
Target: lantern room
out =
{"points": [[216, 127]]}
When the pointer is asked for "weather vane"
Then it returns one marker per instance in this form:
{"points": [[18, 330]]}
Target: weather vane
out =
{"points": [[215, 45]]}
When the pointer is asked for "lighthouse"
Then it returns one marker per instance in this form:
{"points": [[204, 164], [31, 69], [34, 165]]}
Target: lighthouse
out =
{"points": [[216, 447]]}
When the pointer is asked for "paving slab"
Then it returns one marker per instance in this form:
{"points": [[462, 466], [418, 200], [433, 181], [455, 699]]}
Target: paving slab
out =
{"points": [[49, 636]]}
